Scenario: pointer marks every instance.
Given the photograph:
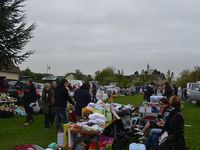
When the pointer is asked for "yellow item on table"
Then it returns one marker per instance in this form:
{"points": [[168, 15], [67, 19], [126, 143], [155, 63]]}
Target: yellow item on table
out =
{"points": [[66, 127]]}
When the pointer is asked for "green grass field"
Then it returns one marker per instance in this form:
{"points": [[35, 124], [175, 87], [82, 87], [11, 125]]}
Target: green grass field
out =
{"points": [[13, 132]]}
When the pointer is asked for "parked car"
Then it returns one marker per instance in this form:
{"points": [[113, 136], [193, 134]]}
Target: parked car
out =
{"points": [[11, 89], [16, 90], [193, 92]]}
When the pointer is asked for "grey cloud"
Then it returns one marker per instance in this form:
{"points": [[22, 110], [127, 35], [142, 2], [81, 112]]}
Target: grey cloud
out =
{"points": [[92, 34]]}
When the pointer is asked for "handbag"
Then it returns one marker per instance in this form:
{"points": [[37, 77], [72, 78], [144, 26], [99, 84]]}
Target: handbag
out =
{"points": [[35, 106], [163, 137]]}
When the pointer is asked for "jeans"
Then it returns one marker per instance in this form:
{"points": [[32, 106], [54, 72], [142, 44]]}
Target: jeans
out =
{"points": [[29, 111], [48, 119], [94, 98], [152, 141], [61, 116]]}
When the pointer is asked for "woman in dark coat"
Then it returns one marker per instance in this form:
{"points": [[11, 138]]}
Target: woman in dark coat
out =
{"points": [[157, 126], [48, 104], [82, 98], [175, 127]]}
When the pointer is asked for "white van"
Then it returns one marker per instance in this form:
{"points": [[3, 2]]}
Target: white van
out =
{"points": [[193, 92], [76, 83]]}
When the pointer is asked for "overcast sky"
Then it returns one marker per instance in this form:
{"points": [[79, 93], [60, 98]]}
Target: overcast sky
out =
{"points": [[127, 34]]}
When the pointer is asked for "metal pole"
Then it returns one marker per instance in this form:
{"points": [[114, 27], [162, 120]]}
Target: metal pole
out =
{"points": [[47, 68]]}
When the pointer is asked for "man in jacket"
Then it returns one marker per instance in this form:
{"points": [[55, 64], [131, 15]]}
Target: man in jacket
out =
{"points": [[61, 99], [29, 97]]}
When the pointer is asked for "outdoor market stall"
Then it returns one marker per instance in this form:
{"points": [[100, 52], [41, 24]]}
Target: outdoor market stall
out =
{"points": [[99, 128], [7, 105]]}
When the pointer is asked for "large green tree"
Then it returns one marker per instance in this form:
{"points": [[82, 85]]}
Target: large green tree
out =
{"points": [[14, 33], [188, 76], [106, 76]]}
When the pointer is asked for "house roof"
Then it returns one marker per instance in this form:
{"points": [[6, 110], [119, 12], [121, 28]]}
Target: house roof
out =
{"points": [[10, 69]]}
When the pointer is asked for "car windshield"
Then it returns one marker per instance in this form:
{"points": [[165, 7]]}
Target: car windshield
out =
{"points": [[20, 84], [12, 84], [194, 86]]}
